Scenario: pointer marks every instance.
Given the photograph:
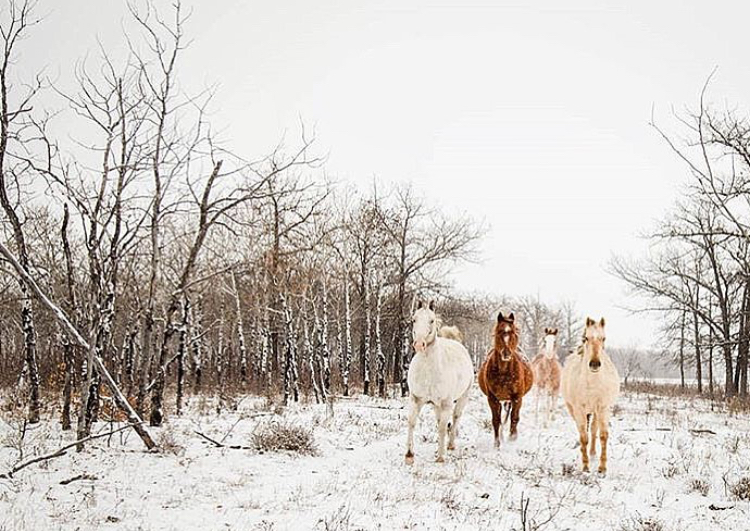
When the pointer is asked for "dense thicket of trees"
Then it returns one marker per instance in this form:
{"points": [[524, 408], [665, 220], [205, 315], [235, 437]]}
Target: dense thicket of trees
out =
{"points": [[187, 269], [697, 274]]}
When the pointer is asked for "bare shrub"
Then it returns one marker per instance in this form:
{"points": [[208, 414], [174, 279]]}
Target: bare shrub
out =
{"points": [[740, 490], [282, 435], [737, 405], [670, 470], [699, 485], [338, 520], [167, 442], [642, 523]]}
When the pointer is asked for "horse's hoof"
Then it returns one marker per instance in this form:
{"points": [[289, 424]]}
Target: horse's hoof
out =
{"points": [[585, 468], [602, 471], [440, 460], [451, 447], [409, 458], [513, 436]]}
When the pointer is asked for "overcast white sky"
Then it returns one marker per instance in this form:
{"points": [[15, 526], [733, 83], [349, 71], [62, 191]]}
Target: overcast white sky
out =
{"points": [[531, 115]]}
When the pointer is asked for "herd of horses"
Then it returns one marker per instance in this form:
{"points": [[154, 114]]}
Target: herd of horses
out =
{"points": [[441, 373]]}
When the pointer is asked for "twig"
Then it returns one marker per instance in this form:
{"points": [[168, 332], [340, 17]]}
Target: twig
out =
{"points": [[221, 445], [694, 431], [78, 477], [61, 451], [263, 414], [698, 431]]}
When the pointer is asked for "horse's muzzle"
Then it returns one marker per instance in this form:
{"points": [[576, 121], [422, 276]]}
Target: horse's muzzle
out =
{"points": [[420, 346], [595, 365]]}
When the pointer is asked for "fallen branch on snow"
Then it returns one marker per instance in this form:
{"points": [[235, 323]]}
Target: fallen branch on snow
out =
{"points": [[694, 431], [222, 445], [78, 478], [61, 451]]}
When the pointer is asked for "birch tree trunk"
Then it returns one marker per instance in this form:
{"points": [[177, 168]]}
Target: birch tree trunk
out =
{"points": [[240, 329], [291, 371], [347, 351], [196, 346]]}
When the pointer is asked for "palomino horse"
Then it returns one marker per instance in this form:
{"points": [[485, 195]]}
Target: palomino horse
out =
{"points": [[547, 375], [590, 385], [440, 373], [505, 376]]}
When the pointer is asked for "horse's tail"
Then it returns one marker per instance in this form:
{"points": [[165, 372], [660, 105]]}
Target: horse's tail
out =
{"points": [[451, 332], [507, 406]]}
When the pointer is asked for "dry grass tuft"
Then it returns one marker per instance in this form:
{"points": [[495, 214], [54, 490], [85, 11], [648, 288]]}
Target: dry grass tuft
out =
{"points": [[283, 436], [642, 523]]}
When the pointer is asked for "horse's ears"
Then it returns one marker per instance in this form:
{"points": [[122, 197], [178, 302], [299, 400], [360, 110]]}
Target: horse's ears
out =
{"points": [[511, 318], [555, 331], [590, 321], [547, 331], [601, 322], [432, 305], [500, 317]]}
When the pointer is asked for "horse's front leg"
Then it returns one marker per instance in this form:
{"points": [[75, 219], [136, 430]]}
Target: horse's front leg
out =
{"points": [[548, 409], [416, 407], [583, 434], [593, 430], [457, 411], [603, 420], [515, 415], [443, 412], [497, 414]]}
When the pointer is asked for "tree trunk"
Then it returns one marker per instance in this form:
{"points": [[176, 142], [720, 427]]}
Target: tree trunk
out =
{"points": [[682, 351], [366, 333], [291, 371], [347, 346], [379, 344], [182, 349], [240, 330], [69, 359], [744, 341], [698, 360]]}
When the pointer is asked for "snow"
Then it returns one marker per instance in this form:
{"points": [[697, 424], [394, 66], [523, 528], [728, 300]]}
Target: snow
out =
{"points": [[358, 479]]}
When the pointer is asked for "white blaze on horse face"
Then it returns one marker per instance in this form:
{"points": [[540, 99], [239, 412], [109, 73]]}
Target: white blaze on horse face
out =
{"points": [[595, 338], [424, 328], [549, 345], [506, 331]]}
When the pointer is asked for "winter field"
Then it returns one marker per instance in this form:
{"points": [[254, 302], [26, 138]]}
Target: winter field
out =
{"points": [[675, 464]]}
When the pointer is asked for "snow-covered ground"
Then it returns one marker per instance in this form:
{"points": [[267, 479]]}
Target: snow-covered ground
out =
{"points": [[657, 470]]}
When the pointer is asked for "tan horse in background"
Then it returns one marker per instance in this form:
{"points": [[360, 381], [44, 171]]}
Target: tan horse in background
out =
{"points": [[590, 386], [547, 371]]}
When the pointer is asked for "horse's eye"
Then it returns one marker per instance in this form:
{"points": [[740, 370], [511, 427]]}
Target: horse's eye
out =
{"points": [[432, 321]]}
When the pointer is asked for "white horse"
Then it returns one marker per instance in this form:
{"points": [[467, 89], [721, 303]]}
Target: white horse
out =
{"points": [[590, 385], [440, 373]]}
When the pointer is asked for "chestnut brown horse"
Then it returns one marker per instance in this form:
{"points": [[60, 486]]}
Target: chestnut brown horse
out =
{"points": [[505, 376]]}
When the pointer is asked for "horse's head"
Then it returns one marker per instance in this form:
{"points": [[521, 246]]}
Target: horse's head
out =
{"points": [[424, 325], [549, 342], [593, 343], [506, 336]]}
